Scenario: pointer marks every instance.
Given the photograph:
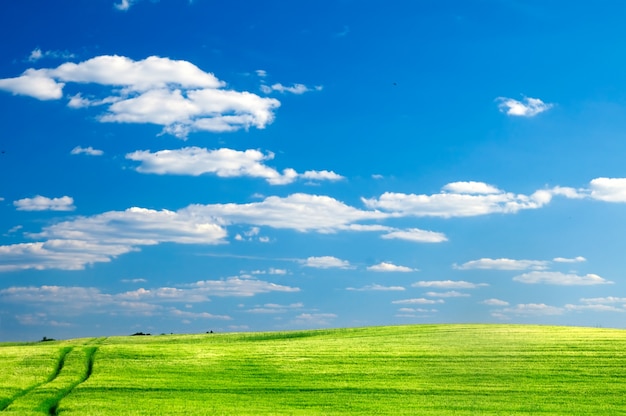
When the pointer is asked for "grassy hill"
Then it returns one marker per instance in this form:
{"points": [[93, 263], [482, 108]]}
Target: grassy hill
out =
{"points": [[412, 370]]}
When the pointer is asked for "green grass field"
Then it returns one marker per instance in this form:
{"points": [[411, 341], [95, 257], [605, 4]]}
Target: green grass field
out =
{"points": [[412, 370]]}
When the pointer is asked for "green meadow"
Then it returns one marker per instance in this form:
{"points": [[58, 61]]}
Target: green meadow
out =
{"points": [[411, 370]]}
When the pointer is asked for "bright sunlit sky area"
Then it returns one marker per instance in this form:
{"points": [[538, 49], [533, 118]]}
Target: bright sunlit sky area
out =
{"points": [[182, 166]]}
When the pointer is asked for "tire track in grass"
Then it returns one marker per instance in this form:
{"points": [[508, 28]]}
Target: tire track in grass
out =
{"points": [[53, 405], [55, 373]]}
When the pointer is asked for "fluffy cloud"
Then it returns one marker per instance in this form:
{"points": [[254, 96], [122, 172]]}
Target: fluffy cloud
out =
{"points": [[503, 264], [236, 286], [87, 151], [174, 94], [221, 162], [448, 284], [471, 187], [562, 279], [449, 294], [528, 107], [416, 235], [459, 199], [495, 302], [38, 54], [578, 259], [377, 288], [608, 189], [294, 89], [418, 301], [124, 5], [81, 241], [197, 315], [594, 308], [57, 254], [604, 301], [302, 212], [34, 83], [42, 203], [273, 308], [529, 309], [74, 300], [71, 245], [326, 262], [389, 267]]}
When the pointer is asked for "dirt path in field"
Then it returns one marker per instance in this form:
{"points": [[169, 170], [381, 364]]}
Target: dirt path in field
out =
{"points": [[55, 373], [50, 404], [90, 357]]}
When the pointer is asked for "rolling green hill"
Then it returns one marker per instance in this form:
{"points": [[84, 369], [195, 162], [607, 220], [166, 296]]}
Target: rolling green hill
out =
{"points": [[412, 370]]}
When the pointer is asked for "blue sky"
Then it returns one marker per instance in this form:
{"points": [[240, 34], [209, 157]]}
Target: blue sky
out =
{"points": [[186, 166]]}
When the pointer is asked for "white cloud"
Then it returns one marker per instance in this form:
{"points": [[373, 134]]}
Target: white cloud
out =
{"points": [[608, 189], [197, 315], [459, 199], [326, 262], [416, 235], [562, 279], [137, 226], [221, 162], [448, 284], [71, 245], [33, 83], [578, 259], [39, 319], [302, 212], [139, 280], [273, 308], [528, 107], [87, 151], [321, 175], [271, 270], [14, 229], [172, 93], [294, 89], [57, 254], [42, 203], [471, 187], [38, 54], [495, 302], [261, 73], [415, 310], [123, 5], [531, 309], [389, 267], [35, 55], [594, 308], [202, 290], [82, 241], [376, 288], [606, 300], [449, 294], [75, 300], [503, 264], [418, 301]]}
